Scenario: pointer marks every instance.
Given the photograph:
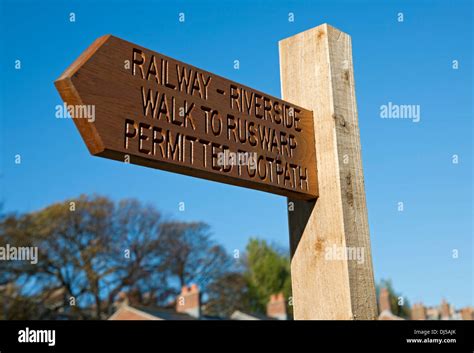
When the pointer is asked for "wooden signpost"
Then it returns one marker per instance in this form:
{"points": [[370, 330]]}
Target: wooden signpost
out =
{"points": [[165, 114], [155, 111], [317, 72]]}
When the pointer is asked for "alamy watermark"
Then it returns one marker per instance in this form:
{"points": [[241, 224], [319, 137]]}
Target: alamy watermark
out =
{"points": [[75, 111], [37, 336], [401, 111], [228, 158], [19, 253], [339, 253]]}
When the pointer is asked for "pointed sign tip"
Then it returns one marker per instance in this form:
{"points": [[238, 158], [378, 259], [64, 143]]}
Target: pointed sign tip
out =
{"points": [[82, 59]]}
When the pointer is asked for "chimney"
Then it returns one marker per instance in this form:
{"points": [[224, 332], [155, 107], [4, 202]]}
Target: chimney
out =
{"points": [[384, 300], [445, 310], [189, 301], [467, 313], [276, 307], [418, 312]]}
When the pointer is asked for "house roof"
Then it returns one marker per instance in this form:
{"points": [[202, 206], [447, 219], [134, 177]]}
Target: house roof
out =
{"points": [[158, 313], [241, 315], [164, 313]]}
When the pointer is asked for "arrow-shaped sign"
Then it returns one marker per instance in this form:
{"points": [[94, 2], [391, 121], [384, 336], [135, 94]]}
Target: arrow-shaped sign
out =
{"points": [[138, 106]]}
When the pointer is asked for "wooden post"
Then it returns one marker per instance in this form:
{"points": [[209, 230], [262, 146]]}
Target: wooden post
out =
{"points": [[331, 262]]}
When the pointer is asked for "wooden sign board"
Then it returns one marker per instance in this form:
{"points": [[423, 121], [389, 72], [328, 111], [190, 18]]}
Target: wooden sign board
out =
{"points": [[152, 110]]}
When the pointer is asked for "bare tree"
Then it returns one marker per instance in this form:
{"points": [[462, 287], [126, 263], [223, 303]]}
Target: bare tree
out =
{"points": [[91, 248], [191, 255]]}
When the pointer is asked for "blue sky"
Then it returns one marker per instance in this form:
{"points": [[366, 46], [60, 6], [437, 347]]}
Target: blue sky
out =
{"points": [[407, 62]]}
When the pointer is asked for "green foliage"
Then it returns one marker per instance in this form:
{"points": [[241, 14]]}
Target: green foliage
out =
{"points": [[267, 273], [263, 271]]}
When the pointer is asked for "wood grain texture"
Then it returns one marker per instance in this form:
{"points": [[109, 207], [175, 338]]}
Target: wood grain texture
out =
{"points": [[317, 72], [165, 114]]}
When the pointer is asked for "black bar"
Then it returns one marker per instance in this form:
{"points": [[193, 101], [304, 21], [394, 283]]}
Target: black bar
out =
{"points": [[241, 336]]}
